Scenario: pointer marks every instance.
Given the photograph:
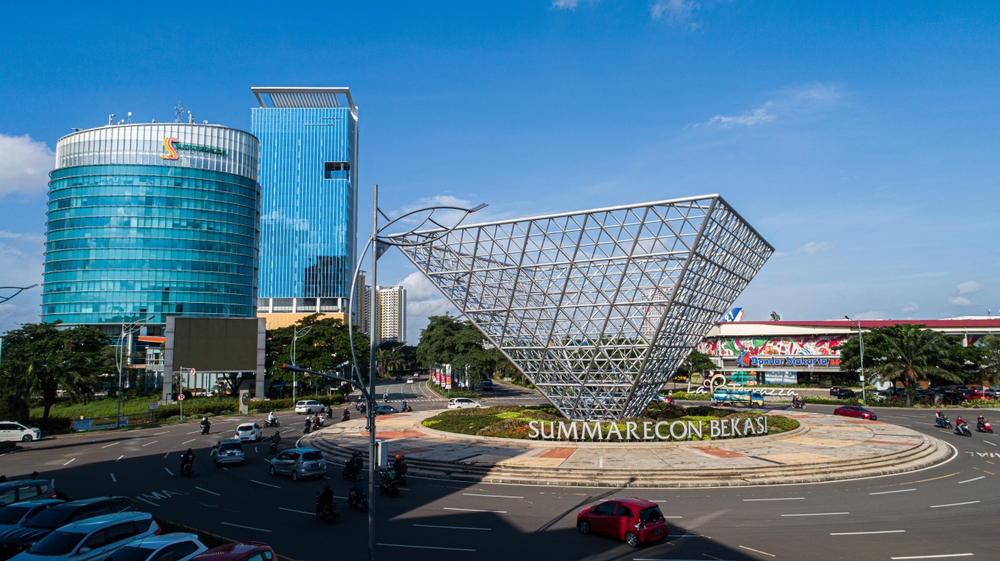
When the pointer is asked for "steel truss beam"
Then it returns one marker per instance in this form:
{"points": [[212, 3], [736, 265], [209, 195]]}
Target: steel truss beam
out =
{"points": [[597, 308]]}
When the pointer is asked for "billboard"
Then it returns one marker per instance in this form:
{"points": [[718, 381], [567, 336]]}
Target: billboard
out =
{"points": [[215, 344]]}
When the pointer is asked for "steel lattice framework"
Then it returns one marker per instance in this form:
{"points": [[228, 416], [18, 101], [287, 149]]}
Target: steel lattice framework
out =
{"points": [[597, 308]]}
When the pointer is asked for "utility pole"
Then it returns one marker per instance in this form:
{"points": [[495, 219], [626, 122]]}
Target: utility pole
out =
{"points": [[295, 337], [372, 346]]}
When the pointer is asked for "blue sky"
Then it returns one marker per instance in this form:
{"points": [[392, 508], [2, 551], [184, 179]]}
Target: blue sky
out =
{"points": [[860, 138]]}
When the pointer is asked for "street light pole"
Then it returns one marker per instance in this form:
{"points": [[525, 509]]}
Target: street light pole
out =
{"points": [[861, 345], [126, 333], [372, 346], [295, 338]]}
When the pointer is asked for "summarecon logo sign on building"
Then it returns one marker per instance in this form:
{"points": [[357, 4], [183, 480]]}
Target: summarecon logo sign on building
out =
{"points": [[659, 431]]}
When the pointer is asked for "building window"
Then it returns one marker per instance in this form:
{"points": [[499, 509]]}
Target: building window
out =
{"points": [[337, 170]]}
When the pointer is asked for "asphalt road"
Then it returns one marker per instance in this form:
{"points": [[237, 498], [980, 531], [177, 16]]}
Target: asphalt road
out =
{"points": [[947, 511]]}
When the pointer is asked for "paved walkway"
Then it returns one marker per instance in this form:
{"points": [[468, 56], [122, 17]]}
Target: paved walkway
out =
{"points": [[824, 447]]}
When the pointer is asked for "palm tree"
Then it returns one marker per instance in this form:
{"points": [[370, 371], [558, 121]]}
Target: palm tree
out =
{"points": [[909, 353]]}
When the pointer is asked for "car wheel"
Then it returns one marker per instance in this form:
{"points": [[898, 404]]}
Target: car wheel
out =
{"points": [[273, 471], [26, 438], [632, 539], [583, 526], [295, 475]]}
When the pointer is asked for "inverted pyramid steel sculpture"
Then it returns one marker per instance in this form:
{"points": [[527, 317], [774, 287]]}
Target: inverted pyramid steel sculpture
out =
{"points": [[597, 308]]}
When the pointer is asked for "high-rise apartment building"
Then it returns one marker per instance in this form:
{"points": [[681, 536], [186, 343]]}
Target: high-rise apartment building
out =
{"points": [[391, 313], [308, 177]]}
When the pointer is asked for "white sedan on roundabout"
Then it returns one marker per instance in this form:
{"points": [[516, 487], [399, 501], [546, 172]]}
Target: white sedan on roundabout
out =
{"points": [[462, 403]]}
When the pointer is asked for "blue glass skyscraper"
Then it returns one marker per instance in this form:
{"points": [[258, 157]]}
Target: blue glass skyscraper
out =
{"points": [[308, 176]]}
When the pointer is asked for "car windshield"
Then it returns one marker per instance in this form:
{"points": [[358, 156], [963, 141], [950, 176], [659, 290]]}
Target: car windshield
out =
{"points": [[312, 456], [51, 518], [226, 446], [131, 554], [244, 427], [12, 514], [57, 543], [651, 514]]}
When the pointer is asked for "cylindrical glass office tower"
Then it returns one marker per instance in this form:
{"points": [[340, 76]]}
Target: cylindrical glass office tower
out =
{"points": [[152, 220]]}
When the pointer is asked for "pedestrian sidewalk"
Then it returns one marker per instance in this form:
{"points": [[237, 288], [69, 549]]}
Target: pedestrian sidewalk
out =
{"points": [[823, 448]]}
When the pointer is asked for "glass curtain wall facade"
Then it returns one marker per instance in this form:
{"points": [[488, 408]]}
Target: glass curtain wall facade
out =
{"points": [[308, 174], [152, 220]]}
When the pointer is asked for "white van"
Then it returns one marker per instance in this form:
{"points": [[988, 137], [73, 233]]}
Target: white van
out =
{"points": [[9, 430]]}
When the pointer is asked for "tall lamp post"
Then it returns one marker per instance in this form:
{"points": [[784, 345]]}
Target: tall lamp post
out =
{"points": [[378, 244], [295, 337], [861, 345], [128, 329]]}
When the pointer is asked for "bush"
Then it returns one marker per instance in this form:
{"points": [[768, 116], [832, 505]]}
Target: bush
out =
{"points": [[707, 411], [450, 394], [692, 396], [660, 411]]}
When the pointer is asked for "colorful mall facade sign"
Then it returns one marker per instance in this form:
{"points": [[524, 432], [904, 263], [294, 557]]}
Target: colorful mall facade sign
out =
{"points": [[647, 431]]}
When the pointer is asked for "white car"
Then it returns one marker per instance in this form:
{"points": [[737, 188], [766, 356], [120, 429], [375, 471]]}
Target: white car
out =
{"points": [[173, 547], [309, 407], [92, 539], [249, 431], [9, 430], [462, 403]]}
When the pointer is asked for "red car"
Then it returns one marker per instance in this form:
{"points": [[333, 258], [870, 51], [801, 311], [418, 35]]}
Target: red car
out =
{"points": [[636, 521], [243, 551], [855, 411]]}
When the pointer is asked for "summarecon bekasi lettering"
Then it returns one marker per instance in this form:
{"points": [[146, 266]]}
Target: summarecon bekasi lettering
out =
{"points": [[648, 430]]}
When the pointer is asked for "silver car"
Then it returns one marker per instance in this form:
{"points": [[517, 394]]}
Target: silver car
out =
{"points": [[173, 547], [92, 539], [299, 462], [228, 452], [11, 516]]}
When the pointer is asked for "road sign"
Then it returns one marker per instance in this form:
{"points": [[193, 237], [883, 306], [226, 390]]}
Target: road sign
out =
{"points": [[180, 397], [154, 405], [192, 372]]}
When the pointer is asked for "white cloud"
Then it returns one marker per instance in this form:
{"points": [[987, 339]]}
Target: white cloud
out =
{"points": [[423, 300], [870, 315], [959, 301], [910, 308], [790, 101], [813, 248], [565, 4], [21, 263], [970, 287], [24, 165], [678, 12]]}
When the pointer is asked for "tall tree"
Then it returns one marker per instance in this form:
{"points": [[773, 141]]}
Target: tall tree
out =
{"points": [[43, 359], [324, 348], [990, 358], [448, 340], [698, 362]]}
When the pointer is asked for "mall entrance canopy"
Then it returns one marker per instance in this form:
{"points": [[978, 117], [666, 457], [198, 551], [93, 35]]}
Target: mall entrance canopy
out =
{"points": [[597, 308]]}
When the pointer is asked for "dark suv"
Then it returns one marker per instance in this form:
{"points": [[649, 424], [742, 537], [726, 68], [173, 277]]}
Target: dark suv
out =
{"points": [[844, 393], [19, 539]]}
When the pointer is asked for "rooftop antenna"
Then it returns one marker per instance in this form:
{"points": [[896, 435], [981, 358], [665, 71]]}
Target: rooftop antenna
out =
{"points": [[111, 119], [190, 118], [179, 110], [129, 119]]}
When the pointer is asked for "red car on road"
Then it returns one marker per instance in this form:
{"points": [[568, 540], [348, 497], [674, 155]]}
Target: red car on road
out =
{"points": [[855, 411], [243, 551], [636, 521]]}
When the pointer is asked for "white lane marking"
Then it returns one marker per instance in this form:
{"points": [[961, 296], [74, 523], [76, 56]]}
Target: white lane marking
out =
{"points": [[339, 497], [866, 533], [956, 504], [973, 479], [168, 471], [476, 510], [264, 484], [934, 556], [494, 496], [110, 445], [186, 441], [165, 455], [990, 443], [145, 501], [818, 514], [194, 432], [120, 457], [209, 492], [70, 462], [113, 478], [255, 449], [148, 443], [449, 527], [245, 527], [159, 433], [683, 535], [673, 517], [425, 547], [777, 499], [298, 511], [891, 492]]}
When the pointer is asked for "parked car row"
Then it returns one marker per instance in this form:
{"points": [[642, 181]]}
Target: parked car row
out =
{"points": [[104, 529]]}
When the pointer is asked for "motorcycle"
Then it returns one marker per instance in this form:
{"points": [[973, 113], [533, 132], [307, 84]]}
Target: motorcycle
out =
{"points": [[943, 423], [273, 449], [275, 423], [798, 405], [360, 503], [963, 430], [349, 474], [318, 422], [205, 427], [347, 416], [307, 428], [984, 427], [389, 485], [187, 469], [328, 513]]}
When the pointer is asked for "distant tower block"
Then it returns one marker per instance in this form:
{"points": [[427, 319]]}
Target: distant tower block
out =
{"points": [[597, 308]]}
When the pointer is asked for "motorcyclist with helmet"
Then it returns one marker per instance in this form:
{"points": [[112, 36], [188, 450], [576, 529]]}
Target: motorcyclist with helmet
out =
{"points": [[355, 465], [796, 401], [205, 425], [187, 460], [358, 490], [959, 423], [981, 422], [399, 466], [325, 499]]}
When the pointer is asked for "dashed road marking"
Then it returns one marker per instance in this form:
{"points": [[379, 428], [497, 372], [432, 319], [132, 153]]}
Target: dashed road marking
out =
{"points": [[298, 511], [69, 462], [120, 457], [757, 551], [776, 499], [145, 501], [168, 471], [110, 445], [245, 527], [476, 510], [209, 492], [425, 547], [264, 484], [450, 527], [818, 514], [113, 478], [186, 441], [934, 556], [148, 443], [159, 433], [891, 492], [973, 479], [956, 504], [866, 533], [493, 496]]}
